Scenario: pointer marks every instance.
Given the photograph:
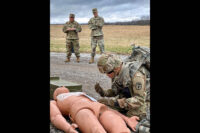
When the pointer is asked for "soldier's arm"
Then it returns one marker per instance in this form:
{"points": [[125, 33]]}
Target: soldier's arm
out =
{"points": [[109, 93], [91, 26], [65, 28], [101, 23], [139, 90], [78, 29], [109, 101], [134, 102], [106, 92]]}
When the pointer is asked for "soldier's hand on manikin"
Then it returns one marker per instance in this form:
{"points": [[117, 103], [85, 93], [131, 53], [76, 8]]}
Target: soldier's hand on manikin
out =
{"points": [[74, 125], [99, 89], [72, 131], [121, 102], [72, 128], [132, 122]]}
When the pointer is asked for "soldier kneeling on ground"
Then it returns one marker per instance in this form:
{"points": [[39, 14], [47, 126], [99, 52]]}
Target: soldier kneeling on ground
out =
{"points": [[129, 93]]}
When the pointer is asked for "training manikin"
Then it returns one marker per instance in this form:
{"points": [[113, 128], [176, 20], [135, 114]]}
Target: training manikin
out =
{"points": [[86, 114]]}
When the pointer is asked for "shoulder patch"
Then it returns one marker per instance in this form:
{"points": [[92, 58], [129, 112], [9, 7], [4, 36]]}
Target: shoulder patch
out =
{"points": [[139, 83]]}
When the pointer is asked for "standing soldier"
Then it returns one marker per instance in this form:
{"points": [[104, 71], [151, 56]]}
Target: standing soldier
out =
{"points": [[130, 81], [71, 28], [96, 24]]}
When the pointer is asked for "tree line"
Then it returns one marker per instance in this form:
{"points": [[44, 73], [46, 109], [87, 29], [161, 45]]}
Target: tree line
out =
{"points": [[134, 22]]}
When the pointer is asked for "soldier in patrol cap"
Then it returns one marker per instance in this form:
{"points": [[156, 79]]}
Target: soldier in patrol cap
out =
{"points": [[71, 28], [96, 24], [129, 82]]}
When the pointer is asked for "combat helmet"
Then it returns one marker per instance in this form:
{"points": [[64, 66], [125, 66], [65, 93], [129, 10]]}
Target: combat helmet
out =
{"points": [[108, 62]]}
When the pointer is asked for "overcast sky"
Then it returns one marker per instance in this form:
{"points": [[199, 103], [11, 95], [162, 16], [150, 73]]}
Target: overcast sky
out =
{"points": [[110, 10]]}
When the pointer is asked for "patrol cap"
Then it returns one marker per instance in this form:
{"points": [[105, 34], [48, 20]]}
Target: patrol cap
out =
{"points": [[94, 10], [108, 62], [71, 15]]}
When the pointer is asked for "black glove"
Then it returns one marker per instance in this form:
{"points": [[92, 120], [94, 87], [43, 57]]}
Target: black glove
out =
{"points": [[99, 89]]}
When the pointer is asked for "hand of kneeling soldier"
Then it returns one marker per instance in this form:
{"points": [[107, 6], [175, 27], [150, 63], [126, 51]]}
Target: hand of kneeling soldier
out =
{"points": [[99, 89], [72, 128], [121, 102]]}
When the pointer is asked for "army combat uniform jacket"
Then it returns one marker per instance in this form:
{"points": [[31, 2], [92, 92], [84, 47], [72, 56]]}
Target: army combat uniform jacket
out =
{"points": [[72, 34], [96, 24]]}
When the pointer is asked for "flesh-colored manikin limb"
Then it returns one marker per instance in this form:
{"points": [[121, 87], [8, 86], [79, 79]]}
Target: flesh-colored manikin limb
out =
{"points": [[58, 120], [131, 122], [87, 122], [113, 123]]}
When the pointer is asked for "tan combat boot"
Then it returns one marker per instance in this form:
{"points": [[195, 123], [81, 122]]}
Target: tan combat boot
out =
{"points": [[91, 60], [78, 59], [68, 59]]}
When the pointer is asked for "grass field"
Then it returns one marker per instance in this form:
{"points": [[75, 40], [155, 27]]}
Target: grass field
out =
{"points": [[117, 38]]}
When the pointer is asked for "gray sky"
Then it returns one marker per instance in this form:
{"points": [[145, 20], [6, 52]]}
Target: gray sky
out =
{"points": [[110, 10]]}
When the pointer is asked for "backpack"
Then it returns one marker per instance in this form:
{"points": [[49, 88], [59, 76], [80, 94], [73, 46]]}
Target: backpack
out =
{"points": [[141, 54]]}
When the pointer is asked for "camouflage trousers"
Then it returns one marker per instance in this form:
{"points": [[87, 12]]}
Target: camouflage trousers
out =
{"points": [[72, 43], [94, 41]]}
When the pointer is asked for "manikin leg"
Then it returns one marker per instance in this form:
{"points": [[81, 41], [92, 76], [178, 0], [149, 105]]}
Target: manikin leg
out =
{"points": [[58, 120], [113, 123], [87, 122]]}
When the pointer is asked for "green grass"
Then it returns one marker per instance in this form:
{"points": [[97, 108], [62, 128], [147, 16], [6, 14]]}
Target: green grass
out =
{"points": [[57, 47]]}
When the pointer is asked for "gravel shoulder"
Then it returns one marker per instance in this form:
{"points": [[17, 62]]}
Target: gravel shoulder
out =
{"points": [[81, 73]]}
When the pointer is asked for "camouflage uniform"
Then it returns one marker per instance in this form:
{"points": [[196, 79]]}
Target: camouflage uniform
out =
{"points": [[130, 84], [96, 25], [72, 39], [142, 54]]}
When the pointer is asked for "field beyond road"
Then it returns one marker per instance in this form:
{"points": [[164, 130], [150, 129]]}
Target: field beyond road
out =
{"points": [[117, 38]]}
